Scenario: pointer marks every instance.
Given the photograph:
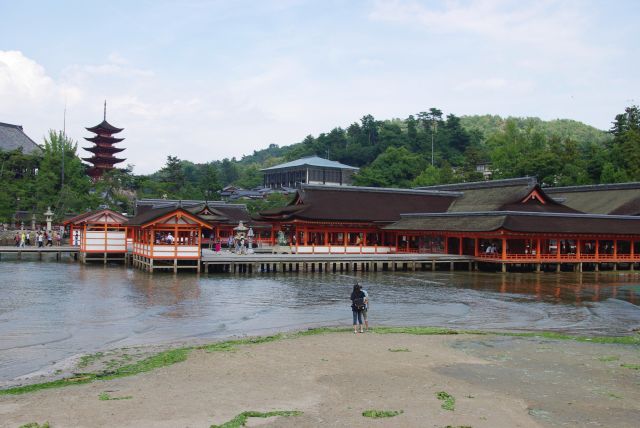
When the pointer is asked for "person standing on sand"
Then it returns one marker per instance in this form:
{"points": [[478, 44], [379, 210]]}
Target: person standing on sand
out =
{"points": [[357, 306]]}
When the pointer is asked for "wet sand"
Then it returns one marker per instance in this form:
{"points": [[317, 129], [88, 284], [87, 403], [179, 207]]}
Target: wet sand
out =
{"points": [[497, 381]]}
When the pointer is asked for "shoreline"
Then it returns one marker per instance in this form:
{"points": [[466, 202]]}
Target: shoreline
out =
{"points": [[331, 376], [111, 359]]}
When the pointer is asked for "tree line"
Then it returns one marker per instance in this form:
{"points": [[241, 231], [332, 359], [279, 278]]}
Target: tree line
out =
{"points": [[424, 149]]}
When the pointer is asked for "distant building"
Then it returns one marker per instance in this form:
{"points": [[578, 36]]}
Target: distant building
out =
{"points": [[309, 170], [103, 158], [12, 137]]}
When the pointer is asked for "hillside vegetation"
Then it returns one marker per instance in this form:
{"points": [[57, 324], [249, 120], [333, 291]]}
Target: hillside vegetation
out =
{"points": [[423, 149]]}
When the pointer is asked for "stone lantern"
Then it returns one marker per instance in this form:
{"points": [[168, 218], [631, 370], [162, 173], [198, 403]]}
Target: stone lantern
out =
{"points": [[33, 221], [241, 233], [49, 218]]}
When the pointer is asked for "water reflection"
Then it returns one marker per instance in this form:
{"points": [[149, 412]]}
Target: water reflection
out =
{"points": [[51, 311]]}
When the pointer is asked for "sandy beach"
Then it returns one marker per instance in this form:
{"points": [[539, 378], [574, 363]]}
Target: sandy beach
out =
{"points": [[332, 378]]}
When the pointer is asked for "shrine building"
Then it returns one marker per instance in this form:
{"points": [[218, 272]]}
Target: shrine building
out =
{"points": [[309, 170]]}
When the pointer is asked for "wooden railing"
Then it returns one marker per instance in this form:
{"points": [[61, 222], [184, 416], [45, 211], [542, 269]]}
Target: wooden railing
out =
{"points": [[532, 258]]}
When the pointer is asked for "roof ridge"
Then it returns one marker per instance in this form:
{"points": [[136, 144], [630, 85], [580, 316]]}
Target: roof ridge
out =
{"points": [[10, 125], [531, 181], [590, 187], [520, 213], [380, 190]]}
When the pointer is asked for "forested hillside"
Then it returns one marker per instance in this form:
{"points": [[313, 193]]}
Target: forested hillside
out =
{"points": [[427, 148]]}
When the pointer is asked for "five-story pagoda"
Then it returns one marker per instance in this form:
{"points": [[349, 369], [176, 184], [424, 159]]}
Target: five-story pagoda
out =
{"points": [[103, 158]]}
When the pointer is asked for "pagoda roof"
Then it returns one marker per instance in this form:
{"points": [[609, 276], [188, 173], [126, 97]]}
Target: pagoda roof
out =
{"points": [[96, 149], [104, 159], [103, 138], [315, 161], [104, 127]]}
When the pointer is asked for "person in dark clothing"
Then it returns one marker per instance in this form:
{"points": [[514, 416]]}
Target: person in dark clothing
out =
{"points": [[357, 306]]}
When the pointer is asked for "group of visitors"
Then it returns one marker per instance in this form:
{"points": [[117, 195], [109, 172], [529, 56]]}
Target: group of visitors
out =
{"points": [[165, 238], [40, 238], [360, 308]]}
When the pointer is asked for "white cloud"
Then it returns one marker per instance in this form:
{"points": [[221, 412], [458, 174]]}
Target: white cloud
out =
{"points": [[540, 32]]}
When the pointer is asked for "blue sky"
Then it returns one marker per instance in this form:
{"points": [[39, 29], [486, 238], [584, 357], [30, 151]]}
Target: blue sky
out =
{"points": [[204, 80]]}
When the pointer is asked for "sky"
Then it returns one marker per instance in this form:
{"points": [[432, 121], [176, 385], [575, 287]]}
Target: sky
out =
{"points": [[206, 80]]}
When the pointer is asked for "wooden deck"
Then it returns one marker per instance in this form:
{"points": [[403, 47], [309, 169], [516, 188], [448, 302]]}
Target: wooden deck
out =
{"points": [[59, 252], [260, 262]]}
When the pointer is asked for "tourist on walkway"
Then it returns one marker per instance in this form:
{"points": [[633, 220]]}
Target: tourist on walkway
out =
{"points": [[58, 238], [49, 239], [357, 306], [16, 239], [40, 239], [28, 239], [23, 239], [218, 246], [365, 311]]}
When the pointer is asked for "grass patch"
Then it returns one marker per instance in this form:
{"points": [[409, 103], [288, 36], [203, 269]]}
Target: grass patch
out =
{"points": [[631, 366], [399, 350], [448, 400], [162, 359], [85, 360], [620, 340], [35, 425], [377, 414], [241, 419], [608, 358], [104, 396], [414, 330]]}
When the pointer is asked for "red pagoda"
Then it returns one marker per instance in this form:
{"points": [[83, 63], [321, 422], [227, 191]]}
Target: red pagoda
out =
{"points": [[103, 158]]}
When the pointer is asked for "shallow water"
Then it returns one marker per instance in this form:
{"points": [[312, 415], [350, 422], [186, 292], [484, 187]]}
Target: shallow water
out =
{"points": [[50, 312]]}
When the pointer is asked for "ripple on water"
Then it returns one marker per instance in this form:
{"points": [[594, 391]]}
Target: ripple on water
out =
{"points": [[52, 311]]}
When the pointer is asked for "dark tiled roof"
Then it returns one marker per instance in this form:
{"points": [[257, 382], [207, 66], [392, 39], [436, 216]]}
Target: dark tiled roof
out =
{"points": [[347, 203], [149, 215], [12, 137], [501, 195], [83, 218], [222, 212], [620, 199], [560, 223]]}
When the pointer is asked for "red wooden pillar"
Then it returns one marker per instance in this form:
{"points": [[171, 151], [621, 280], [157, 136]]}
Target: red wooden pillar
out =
{"points": [[578, 248], [504, 248], [633, 244], [475, 247], [538, 255], [615, 248], [460, 241], [597, 249], [446, 244]]}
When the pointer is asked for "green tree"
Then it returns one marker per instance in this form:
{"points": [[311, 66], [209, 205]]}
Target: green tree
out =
{"points": [[72, 196], [396, 167]]}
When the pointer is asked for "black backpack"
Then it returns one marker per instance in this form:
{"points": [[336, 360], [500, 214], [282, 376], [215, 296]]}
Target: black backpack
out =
{"points": [[359, 304]]}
